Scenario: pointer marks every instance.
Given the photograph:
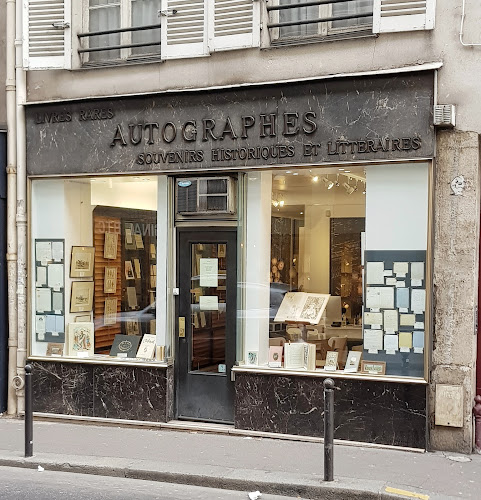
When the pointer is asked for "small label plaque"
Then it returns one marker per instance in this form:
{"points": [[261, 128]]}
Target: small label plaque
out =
{"points": [[449, 405]]}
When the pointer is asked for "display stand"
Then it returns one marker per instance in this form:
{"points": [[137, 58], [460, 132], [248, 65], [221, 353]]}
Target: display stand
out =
{"points": [[301, 326]]}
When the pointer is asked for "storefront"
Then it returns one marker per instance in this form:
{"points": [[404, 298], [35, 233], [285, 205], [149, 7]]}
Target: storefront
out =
{"points": [[212, 255]]}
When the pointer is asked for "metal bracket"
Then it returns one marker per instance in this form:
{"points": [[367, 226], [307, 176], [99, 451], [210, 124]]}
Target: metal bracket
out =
{"points": [[61, 25], [167, 12]]}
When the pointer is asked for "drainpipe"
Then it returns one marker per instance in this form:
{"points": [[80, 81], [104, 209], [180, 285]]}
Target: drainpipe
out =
{"points": [[21, 217], [10, 91]]}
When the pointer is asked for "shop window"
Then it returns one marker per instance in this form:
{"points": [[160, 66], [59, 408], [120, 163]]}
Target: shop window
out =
{"points": [[95, 269], [345, 269]]}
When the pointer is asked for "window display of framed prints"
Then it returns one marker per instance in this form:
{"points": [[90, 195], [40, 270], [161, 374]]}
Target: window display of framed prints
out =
{"points": [[49, 291], [82, 262]]}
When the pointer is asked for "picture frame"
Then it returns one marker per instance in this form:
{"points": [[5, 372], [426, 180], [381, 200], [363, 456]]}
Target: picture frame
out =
{"points": [[331, 361], [82, 262], [81, 339], [110, 279], [110, 311], [81, 296], [352, 362], [129, 270], [252, 358], [373, 367], [55, 349], [110, 245], [84, 318]]}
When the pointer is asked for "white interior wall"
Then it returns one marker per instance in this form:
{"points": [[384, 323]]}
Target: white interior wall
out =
{"points": [[162, 309], [47, 222], [397, 207], [120, 192], [258, 250]]}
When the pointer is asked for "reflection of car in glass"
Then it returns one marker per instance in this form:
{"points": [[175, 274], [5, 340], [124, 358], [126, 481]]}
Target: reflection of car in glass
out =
{"points": [[130, 319], [276, 294]]}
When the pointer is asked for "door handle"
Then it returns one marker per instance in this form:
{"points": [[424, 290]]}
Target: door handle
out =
{"points": [[181, 326]]}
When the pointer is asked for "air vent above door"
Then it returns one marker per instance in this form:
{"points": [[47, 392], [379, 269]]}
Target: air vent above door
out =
{"points": [[205, 195]]}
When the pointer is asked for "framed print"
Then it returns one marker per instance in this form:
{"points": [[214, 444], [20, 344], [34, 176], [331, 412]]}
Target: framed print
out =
{"points": [[331, 361], [82, 262], [55, 349], [252, 357], [129, 270], [110, 280], [373, 367], [80, 339], [81, 298], [110, 245], [110, 311], [132, 327], [85, 318], [353, 360]]}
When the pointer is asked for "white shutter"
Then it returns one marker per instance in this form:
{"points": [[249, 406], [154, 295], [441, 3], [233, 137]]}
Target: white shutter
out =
{"points": [[233, 24], [184, 28], [46, 34], [403, 15]]}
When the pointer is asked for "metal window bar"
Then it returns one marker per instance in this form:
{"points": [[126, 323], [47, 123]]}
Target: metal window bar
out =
{"points": [[119, 30], [306, 4], [313, 21]]}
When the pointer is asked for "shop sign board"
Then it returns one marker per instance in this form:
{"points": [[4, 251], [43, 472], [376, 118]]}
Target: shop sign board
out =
{"points": [[309, 122]]}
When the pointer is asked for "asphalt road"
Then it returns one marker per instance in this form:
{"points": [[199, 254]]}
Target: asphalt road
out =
{"points": [[30, 484]]}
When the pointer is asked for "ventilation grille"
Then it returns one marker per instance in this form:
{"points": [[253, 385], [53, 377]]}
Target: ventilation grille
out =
{"points": [[444, 115], [187, 24], [233, 17], [392, 8], [44, 39]]}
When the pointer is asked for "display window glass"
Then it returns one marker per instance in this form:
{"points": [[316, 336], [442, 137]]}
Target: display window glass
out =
{"points": [[335, 269], [94, 273]]}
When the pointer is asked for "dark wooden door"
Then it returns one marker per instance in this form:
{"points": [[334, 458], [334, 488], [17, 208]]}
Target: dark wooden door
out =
{"points": [[206, 324]]}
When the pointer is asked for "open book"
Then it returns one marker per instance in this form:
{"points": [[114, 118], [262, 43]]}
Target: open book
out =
{"points": [[300, 355], [302, 307]]}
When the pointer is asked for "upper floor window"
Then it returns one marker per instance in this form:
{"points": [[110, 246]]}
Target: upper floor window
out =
{"points": [[300, 18], [123, 29], [115, 31]]}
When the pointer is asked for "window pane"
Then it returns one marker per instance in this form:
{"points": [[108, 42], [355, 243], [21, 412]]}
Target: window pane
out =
{"points": [[208, 306], [351, 8], [144, 13], [343, 269], [298, 14], [103, 19], [95, 269]]}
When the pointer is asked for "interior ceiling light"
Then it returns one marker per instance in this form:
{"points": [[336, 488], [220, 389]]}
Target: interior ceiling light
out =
{"points": [[349, 189], [329, 184], [315, 178], [337, 180]]}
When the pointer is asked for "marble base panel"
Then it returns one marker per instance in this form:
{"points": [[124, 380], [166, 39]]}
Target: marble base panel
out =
{"points": [[106, 391], [379, 412]]}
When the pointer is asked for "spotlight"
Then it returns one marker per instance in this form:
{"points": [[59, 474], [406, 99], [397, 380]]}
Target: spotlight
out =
{"points": [[349, 189], [315, 178], [337, 180], [329, 184]]}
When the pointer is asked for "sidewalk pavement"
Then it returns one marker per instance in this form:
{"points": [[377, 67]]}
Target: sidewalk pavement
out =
{"points": [[240, 462]]}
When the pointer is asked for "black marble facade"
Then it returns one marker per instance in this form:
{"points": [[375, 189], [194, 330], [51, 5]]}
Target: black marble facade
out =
{"points": [[367, 411], [107, 391]]}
